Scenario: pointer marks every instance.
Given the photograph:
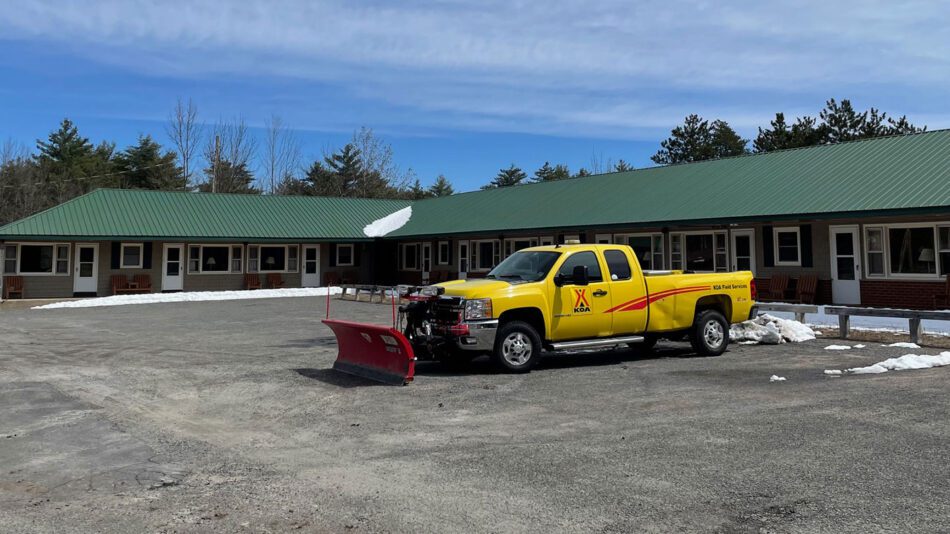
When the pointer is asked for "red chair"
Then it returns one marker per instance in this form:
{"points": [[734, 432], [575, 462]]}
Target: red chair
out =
{"points": [[12, 285]]}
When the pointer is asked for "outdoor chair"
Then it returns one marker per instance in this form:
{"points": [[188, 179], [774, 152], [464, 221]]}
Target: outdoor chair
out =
{"points": [[12, 285], [274, 281], [778, 285], [120, 284], [142, 283], [806, 288], [943, 299], [252, 281]]}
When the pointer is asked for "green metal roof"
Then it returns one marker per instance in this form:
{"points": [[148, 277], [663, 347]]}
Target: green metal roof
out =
{"points": [[900, 174], [909, 173], [117, 213]]}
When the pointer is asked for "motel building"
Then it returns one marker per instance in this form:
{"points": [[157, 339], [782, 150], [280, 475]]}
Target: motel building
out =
{"points": [[870, 220]]}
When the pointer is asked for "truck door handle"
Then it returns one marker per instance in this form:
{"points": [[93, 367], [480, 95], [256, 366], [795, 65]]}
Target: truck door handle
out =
{"points": [[599, 293]]}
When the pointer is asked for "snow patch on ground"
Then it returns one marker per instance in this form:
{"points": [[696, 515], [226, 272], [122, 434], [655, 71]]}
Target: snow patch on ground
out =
{"points": [[902, 363], [904, 345], [870, 324], [838, 347], [193, 296], [858, 346], [776, 378], [770, 330], [905, 363], [389, 223]]}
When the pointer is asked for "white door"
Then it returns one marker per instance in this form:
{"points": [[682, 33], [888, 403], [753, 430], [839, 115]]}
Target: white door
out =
{"points": [[845, 265], [86, 268], [463, 260], [426, 261], [311, 266], [743, 250], [173, 268]]}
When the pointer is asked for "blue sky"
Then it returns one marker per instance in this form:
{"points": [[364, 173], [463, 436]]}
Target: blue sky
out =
{"points": [[464, 88]]}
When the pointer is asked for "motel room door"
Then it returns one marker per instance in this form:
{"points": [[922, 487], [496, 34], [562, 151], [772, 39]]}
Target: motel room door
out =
{"points": [[172, 267], [845, 265], [311, 266], [86, 268], [743, 250]]}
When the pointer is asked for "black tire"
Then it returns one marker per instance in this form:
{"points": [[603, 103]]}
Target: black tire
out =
{"points": [[517, 347], [709, 334]]}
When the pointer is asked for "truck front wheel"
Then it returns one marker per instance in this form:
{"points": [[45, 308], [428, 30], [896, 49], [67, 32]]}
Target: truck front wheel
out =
{"points": [[710, 333], [517, 347]]}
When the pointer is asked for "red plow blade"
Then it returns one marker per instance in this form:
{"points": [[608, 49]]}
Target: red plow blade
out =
{"points": [[372, 351]]}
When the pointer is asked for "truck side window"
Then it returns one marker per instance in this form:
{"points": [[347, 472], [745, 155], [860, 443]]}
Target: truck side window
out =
{"points": [[617, 265], [582, 258]]}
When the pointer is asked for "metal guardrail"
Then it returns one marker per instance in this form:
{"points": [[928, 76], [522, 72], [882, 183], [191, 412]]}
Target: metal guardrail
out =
{"points": [[913, 317], [798, 309]]}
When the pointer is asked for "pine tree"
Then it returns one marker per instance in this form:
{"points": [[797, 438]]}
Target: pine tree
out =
{"points": [[441, 187], [582, 172], [622, 166], [547, 173], [417, 192], [507, 178], [842, 121], [697, 140], [229, 178], [145, 166], [70, 165]]}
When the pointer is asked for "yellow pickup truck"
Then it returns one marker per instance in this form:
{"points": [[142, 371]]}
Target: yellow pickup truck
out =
{"points": [[574, 296]]}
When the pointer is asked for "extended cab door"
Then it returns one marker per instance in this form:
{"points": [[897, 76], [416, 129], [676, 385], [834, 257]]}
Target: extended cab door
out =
{"points": [[629, 303], [580, 311]]}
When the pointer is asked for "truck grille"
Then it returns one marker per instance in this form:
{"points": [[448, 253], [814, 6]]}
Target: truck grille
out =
{"points": [[447, 310]]}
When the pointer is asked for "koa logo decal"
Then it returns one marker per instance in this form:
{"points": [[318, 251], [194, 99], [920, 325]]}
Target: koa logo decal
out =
{"points": [[581, 304]]}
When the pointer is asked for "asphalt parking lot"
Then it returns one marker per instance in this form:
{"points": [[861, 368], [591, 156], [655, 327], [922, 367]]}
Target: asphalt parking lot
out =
{"points": [[225, 416]]}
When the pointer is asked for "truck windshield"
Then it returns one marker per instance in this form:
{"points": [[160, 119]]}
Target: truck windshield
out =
{"points": [[525, 266]]}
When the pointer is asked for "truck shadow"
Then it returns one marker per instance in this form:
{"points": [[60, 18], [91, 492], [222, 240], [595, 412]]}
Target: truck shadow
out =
{"points": [[564, 360]]}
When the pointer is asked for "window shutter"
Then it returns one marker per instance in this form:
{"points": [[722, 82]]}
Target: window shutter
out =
{"points": [[449, 259], [116, 254], [805, 235], [768, 246], [357, 250], [147, 254], [332, 254]]}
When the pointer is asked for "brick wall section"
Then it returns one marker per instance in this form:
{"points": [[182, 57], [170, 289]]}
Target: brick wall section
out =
{"points": [[900, 293]]}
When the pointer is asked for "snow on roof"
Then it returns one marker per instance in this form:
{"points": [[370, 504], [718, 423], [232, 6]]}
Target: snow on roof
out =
{"points": [[389, 223]]}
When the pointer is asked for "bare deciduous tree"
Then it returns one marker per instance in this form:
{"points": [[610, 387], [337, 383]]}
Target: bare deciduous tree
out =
{"points": [[184, 130], [281, 154], [377, 156], [229, 146]]}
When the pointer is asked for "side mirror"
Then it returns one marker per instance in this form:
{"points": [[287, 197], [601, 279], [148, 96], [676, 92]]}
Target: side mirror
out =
{"points": [[580, 276], [559, 279]]}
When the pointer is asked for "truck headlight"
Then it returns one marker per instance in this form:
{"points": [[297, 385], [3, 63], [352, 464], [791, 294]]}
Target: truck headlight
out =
{"points": [[477, 309]]}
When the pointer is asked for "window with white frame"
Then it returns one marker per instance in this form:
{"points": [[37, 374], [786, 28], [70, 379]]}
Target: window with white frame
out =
{"points": [[215, 259], [787, 246], [874, 249], [911, 250], [345, 255], [486, 254], [273, 258], [647, 247], [131, 256], [36, 259], [442, 257], [515, 244], [410, 252], [546, 240], [699, 251], [602, 239], [943, 249]]}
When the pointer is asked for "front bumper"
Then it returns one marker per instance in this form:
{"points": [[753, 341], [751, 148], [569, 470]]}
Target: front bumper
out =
{"points": [[480, 336]]}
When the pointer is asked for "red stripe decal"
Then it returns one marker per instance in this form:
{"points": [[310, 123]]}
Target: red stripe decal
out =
{"points": [[642, 302]]}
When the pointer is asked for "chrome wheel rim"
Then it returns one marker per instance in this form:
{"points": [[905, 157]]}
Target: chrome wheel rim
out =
{"points": [[516, 348], [714, 334]]}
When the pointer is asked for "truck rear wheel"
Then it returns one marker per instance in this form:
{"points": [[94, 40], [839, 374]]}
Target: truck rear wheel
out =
{"points": [[710, 333], [517, 347]]}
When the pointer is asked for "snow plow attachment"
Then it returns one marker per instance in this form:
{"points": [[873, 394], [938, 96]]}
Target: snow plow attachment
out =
{"points": [[372, 351]]}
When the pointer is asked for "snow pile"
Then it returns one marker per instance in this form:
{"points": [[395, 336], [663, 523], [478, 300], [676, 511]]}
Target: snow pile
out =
{"points": [[770, 330], [195, 296], [858, 347], [833, 371], [904, 345], [776, 378], [838, 347], [904, 363], [389, 223]]}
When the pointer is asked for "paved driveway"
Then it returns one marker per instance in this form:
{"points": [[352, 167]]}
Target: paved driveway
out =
{"points": [[225, 417]]}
